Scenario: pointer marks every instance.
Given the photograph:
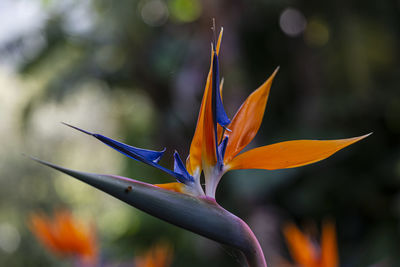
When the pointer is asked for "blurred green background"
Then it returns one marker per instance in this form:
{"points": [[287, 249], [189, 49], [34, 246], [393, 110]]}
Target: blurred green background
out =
{"points": [[135, 71]]}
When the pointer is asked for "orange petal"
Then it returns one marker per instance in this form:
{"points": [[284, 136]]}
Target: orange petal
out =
{"points": [[290, 154], [221, 87], [219, 40], [208, 156], [159, 255], [247, 120], [329, 254], [74, 237], [42, 230], [176, 187], [194, 159], [300, 247], [64, 232], [65, 236]]}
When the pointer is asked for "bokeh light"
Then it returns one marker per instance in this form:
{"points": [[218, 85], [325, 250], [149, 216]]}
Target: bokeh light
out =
{"points": [[317, 32], [185, 10], [154, 12], [9, 238], [292, 22]]}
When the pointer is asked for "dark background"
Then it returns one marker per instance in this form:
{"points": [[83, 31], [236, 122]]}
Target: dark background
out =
{"points": [[135, 71]]}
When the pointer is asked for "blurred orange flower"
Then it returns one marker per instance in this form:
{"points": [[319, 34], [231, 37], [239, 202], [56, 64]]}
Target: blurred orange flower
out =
{"points": [[160, 255], [65, 236], [306, 253]]}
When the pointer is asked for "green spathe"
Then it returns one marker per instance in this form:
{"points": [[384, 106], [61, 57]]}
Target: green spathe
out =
{"points": [[200, 215]]}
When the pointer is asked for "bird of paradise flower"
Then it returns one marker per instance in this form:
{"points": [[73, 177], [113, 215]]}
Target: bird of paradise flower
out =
{"points": [[159, 255], [66, 237], [215, 150], [307, 253]]}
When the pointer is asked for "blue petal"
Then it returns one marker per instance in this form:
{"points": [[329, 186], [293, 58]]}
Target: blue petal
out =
{"points": [[219, 111], [149, 157], [219, 114], [180, 168], [222, 147], [130, 151]]}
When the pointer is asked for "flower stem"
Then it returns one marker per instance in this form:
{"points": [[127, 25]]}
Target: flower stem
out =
{"points": [[254, 255]]}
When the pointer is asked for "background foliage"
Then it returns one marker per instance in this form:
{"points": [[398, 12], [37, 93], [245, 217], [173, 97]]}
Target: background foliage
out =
{"points": [[135, 71]]}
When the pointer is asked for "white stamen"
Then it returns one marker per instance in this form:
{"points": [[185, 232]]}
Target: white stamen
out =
{"points": [[212, 177]]}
